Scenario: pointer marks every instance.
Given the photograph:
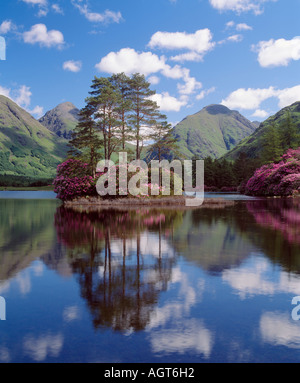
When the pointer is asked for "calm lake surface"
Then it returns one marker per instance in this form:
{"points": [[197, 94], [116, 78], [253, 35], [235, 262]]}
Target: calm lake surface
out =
{"points": [[149, 285]]}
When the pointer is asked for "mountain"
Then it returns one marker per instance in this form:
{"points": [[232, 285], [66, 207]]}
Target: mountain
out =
{"points": [[27, 148], [253, 144], [61, 120], [212, 132]]}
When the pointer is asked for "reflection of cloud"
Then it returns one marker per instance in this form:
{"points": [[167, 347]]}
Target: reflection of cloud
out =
{"points": [[193, 336], [149, 245], [38, 268], [254, 279], [4, 355], [71, 313], [181, 333], [279, 330], [4, 286], [23, 280], [39, 348]]}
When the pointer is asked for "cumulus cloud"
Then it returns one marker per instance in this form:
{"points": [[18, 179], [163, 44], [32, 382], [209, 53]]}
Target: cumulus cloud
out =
{"points": [[252, 98], [6, 27], [259, 113], [279, 52], [248, 98], [154, 80], [168, 103], [239, 6], [198, 43], [38, 34], [129, 61], [72, 66], [288, 96], [22, 97], [106, 17]]}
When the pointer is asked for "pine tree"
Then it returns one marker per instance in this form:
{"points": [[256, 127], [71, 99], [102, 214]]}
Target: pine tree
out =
{"points": [[144, 110], [271, 145], [164, 144], [106, 99], [289, 135], [85, 139], [122, 83]]}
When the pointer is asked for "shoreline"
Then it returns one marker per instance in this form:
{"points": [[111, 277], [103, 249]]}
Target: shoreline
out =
{"points": [[168, 202]]}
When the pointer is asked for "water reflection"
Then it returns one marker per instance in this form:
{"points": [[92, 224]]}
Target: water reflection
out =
{"points": [[156, 284], [122, 259]]}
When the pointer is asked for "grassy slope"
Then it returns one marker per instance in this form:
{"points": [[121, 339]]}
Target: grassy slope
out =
{"points": [[252, 145], [211, 132], [27, 148]]}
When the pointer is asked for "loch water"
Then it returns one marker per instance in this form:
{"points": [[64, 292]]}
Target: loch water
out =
{"points": [[149, 284]]}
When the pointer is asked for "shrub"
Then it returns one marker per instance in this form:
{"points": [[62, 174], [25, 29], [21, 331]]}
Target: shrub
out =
{"points": [[277, 179]]}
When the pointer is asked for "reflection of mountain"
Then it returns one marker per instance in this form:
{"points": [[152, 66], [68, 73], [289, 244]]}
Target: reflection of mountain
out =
{"points": [[26, 233], [122, 259], [213, 239]]}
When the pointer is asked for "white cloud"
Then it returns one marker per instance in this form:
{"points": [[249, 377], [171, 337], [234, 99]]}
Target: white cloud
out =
{"points": [[288, 96], [252, 98], [277, 52], [129, 61], [57, 9], [72, 66], [189, 56], [190, 84], [168, 103], [259, 113], [39, 34], [154, 80], [248, 98], [4, 91], [198, 43], [6, 27], [235, 38], [204, 93], [42, 4], [239, 6], [106, 17], [37, 111], [22, 97], [243, 27], [35, 2]]}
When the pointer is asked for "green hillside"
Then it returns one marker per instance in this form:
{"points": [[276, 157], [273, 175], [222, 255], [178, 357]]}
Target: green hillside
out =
{"points": [[61, 120], [27, 148], [252, 146], [212, 132]]}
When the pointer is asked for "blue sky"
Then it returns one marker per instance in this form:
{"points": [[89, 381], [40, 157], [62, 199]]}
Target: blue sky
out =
{"points": [[244, 54]]}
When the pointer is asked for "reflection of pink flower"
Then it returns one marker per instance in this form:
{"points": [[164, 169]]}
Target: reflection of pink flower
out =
{"points": [[285, 220]]}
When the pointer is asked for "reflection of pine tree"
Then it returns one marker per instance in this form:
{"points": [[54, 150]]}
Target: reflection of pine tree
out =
{"points": [[123, 294]]}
